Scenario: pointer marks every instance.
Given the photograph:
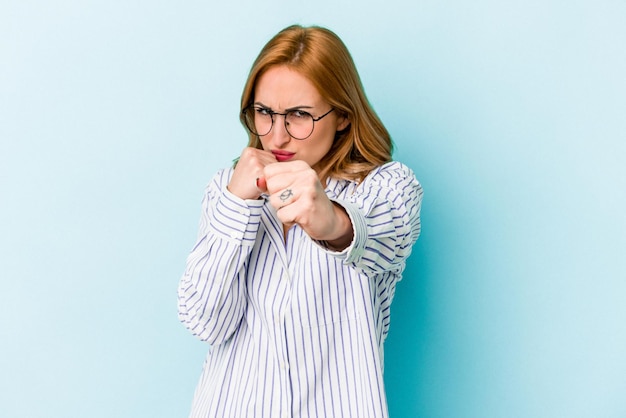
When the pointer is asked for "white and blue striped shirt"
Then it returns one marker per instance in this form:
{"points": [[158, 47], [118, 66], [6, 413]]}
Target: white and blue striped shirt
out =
{"points": [[295, 329]]}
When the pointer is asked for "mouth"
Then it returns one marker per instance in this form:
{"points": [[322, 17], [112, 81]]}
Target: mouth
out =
{"points": [[283, 155]]}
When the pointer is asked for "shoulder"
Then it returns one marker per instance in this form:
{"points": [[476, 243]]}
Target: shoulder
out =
{"points": [[391, 174], [221, 178], [393, 177]]}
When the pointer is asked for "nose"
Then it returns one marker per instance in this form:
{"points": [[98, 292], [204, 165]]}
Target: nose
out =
{"points": [[279, 133]]}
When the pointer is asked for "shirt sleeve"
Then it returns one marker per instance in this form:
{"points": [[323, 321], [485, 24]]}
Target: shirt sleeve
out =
{"points": [[212, 293], [385, 214]]}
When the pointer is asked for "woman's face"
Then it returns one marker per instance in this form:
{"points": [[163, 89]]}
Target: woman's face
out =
{"points": [[281, 89]]}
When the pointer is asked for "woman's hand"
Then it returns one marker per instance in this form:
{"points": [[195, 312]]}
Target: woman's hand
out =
{"points": [[295, 191], [249, 168]]}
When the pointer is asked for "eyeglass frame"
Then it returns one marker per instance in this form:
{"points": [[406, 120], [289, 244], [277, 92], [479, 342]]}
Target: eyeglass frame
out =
{"points": [[284, 115]]}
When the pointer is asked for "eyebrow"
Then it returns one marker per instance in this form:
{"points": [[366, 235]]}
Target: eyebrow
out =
{"points": [[286, 110]]}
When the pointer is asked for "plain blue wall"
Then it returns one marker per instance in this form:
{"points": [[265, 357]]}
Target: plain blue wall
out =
{"points": [[114, 115]]}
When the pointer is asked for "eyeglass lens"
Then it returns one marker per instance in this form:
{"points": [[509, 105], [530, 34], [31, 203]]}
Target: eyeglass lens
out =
{"points": [[299, 124]]}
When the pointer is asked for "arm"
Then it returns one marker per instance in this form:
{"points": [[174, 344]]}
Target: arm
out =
{"points": [[373, 229], [296, 192], [212, 293], [385, 214]]}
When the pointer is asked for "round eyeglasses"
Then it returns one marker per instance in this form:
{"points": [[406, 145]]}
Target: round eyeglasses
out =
{"points": [[299, 124]]}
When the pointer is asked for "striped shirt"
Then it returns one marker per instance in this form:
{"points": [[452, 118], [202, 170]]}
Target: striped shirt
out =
{"points": [[294, 328]]}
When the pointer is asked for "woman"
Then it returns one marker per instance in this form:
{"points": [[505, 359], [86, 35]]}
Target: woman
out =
{"points": [[301, 244]]}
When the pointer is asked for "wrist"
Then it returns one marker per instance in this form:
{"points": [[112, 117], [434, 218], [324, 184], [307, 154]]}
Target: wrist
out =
{"points": [[343, 230]]}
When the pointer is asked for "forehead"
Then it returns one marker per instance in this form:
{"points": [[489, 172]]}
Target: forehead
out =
{"points": [[282, 88]]}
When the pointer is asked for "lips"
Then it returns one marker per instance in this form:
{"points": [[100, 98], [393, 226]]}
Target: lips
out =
{"points": [[283, 155]]}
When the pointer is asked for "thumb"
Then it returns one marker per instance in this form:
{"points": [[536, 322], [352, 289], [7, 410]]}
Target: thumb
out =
{"points": [[261, 184]]}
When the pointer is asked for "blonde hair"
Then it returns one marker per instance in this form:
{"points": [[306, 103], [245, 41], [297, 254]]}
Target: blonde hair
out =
{"points": [[318, 54]]}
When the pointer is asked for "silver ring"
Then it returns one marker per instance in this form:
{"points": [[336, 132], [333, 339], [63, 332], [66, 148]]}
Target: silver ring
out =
{"points": [[286, 194]]}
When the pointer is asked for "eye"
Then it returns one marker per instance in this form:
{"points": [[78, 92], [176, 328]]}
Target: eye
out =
{"points": [[299, 114], [262, 111]]}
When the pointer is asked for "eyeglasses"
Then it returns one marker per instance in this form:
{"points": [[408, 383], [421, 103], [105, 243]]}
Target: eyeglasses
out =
{"points": [[298, 123]]}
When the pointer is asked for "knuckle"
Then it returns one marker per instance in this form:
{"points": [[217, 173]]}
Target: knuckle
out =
{"points": [[268, 170], [247, 152], [311, 176]]}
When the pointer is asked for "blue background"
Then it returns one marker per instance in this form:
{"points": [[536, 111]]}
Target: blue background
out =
{"points": [[114, 115]]}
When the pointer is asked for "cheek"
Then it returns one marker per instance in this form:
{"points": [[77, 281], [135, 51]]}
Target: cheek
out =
{"points": [[325, 141], [319, 148], [264, 144]]}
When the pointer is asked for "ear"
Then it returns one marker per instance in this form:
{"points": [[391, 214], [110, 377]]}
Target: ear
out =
{"points": [[342, 122]]}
